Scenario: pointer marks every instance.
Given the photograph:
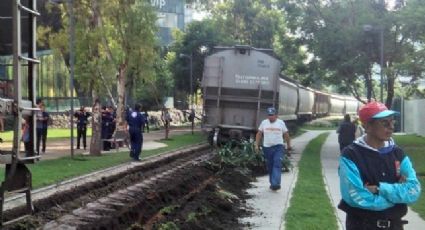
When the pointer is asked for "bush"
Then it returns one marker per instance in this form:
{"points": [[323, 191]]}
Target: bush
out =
{"points": [[243, 155]]}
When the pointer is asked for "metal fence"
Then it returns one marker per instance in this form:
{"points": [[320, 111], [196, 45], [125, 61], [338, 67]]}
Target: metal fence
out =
{"points": [[413, 116], [63, 104]]}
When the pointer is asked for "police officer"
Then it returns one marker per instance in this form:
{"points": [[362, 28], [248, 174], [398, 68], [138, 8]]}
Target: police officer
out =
{"points": [[82, 117], [135, 121], [377, 179], [107, 119]]}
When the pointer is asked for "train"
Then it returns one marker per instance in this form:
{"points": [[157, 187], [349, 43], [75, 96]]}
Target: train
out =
{"points": [[240, 82]]}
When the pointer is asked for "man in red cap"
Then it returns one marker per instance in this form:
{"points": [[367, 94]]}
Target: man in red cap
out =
{"points": [[377, 179]]}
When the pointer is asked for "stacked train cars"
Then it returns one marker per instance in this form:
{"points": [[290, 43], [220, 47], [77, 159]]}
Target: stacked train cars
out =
{"points": [[239, 83]]}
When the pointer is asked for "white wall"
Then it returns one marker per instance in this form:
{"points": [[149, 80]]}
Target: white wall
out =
{"points": [[414, 116]]}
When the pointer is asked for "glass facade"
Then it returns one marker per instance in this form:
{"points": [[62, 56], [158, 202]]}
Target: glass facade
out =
{"points": [[170, 15]]}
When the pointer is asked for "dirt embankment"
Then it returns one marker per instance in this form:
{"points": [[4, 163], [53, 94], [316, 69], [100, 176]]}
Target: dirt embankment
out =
{"points": [[191, 196]]}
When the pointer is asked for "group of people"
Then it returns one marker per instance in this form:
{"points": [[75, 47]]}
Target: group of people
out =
{"points": [[377, 179]]}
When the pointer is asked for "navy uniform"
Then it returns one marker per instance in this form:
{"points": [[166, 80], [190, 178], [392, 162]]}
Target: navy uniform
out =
{"points": [[82, 117], [107, 119], [135, 121]]}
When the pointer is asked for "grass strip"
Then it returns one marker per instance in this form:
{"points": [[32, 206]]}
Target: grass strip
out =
{"points": [[414, 147], [310, 206], [47, 172]]}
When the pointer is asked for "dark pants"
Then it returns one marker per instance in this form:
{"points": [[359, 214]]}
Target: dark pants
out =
{"points": [[41, 137], [357, 223], [136, 142], [28, 146], [106, 134], [81, 133]]}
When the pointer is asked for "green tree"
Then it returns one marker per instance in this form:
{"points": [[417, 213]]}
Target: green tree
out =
{"points": [[344, 38], [197, 41], [113, 37]]}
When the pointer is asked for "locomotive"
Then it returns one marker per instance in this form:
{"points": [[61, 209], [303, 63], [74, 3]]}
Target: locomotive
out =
{"points": [[239, 83]]}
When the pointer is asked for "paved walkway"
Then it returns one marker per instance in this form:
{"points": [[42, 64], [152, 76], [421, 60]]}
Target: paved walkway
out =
{"points": [[270, 206], [62, 147]]}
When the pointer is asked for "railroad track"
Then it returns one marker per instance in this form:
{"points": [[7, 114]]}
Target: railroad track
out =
{"points": [[117, 201]]}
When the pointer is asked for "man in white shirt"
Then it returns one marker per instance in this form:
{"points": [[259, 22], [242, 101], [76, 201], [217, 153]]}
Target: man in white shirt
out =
{"points": [[274, 131]]}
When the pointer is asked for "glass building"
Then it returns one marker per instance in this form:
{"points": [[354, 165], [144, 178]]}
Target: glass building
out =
{"points": [[171, 15]]}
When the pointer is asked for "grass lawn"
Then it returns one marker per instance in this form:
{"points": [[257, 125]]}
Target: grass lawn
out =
{"points": [[310, 205], [49, 172], [414, 147], [313, 127], [52, 133]]}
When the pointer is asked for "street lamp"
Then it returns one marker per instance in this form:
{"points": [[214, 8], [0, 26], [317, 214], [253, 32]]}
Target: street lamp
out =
{"points": [[380, 29], [71, 62], [191, 73], [190, 57]]}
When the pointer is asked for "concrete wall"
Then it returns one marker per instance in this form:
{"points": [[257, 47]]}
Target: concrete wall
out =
{"points": [[413, 116]]}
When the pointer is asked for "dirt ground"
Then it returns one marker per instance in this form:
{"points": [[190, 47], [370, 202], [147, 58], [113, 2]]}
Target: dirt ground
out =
{"points": [[218, 206], [200, 197]]}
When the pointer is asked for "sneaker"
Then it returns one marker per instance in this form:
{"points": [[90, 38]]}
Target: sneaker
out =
{"points": [[274, 187]]}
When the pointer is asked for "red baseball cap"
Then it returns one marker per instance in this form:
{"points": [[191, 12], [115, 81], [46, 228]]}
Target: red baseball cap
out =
{"points": [[375, 110]]}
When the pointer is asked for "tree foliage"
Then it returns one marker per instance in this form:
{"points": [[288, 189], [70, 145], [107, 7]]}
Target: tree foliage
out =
{"points": [[115, 45], [344, 37]]}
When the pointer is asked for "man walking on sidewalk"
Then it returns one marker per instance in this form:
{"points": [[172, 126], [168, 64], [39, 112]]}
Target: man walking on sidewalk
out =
{"points": [[377, 179], [274, 131]]}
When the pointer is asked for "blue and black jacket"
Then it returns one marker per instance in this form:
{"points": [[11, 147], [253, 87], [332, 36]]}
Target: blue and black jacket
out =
{"points": [[361, 165]]}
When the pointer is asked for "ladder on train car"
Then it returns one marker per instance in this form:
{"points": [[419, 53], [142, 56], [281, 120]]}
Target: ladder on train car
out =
{"points": [[17, 175]]}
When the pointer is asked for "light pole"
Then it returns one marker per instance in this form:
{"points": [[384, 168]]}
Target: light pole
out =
{"points": [[190, 57], [71, 63], [381, 39], [71, 66], [370, 28]]}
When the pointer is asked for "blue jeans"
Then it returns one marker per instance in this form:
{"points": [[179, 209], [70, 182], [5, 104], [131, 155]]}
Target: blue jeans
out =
{"points": [[274, 156]]}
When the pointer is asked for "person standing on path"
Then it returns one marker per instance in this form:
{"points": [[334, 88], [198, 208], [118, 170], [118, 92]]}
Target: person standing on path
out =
{"points": [[82, 116], [166, 119], [377, 179], [273, 131], [346, 132], [42, 123], [135, 121]]}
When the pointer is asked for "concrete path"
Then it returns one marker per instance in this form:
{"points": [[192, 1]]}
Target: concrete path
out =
{"points": [[56, 148], [329, 158], [269, 206]]}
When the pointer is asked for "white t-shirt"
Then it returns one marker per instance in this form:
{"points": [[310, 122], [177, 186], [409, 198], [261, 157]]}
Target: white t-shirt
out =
{"points": [[273, 132]]}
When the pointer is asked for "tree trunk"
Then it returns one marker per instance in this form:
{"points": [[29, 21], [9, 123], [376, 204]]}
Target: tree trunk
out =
{"points": [[368, 86], [121, 92], [96, 142], [390, 91]]}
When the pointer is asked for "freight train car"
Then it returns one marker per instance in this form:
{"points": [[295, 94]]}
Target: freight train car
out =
{"points": [[239, 83], [305, 103]]}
